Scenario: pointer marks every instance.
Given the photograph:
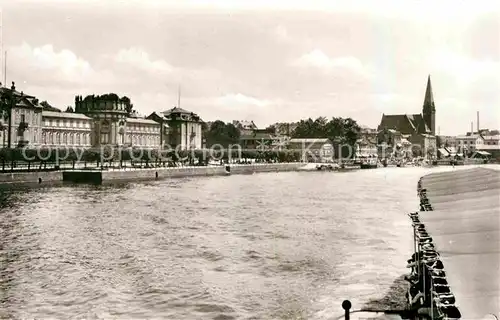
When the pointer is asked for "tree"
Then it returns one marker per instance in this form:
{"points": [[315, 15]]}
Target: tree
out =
{"points": [[346, 131], [271, 129], [69, 109], [223, 134]]}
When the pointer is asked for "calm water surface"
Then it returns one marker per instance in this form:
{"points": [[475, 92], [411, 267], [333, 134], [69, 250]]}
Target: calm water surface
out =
{"points": [[264, 246]]}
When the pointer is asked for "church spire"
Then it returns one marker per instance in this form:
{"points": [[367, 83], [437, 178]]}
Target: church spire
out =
{"points": [[429, 97], [429, 108]]}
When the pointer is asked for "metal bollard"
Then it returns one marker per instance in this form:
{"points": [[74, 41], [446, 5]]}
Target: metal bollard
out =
{"points": [[346, 305]]}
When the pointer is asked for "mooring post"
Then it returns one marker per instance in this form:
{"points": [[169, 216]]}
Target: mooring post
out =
{"points": [[346, 305]]}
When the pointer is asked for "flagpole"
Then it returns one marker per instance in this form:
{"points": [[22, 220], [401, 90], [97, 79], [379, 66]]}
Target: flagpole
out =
{"points": [[179, 97], [5, 69]]}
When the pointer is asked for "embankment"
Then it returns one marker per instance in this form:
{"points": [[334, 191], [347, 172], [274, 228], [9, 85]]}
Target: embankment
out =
{"points": [[166, 173], [456, 264], [41, 177]]}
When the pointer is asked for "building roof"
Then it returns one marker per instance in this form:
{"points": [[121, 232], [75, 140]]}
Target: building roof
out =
{"points": [[444, 152], [64, 115], [244, 124], [175, 110], [184, 114], [16, 93], [404, 123], [142, 121]]}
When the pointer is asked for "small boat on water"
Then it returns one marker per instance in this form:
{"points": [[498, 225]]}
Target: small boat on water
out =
{"points": [[369, 162], [327, 167]]}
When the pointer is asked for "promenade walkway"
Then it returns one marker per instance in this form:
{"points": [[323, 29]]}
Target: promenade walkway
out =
{"points": [[465, 226]]}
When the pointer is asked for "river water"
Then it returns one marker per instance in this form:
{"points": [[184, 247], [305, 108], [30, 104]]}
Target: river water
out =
{"points": [[265, 246]]}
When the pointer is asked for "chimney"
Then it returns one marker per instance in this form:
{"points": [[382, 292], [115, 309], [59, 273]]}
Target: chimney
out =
{"points": [[478, 122], [471, 127]]}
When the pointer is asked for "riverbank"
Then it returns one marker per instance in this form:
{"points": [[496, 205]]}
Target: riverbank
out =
{"points": [[100, 176], [456, 263]]}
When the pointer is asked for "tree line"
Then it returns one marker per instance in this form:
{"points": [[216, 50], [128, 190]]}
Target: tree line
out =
{"points": [[343, 130]]}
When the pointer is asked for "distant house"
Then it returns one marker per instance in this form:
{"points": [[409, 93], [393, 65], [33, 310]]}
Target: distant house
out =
{"points": [[491, 145], [467, 144], [367, 143], [259, 139], [420, 128], [447, 141], [313, 149], [246, 127]]}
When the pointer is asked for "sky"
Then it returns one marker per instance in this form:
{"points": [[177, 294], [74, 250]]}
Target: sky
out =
{"points": [[267, 61]]}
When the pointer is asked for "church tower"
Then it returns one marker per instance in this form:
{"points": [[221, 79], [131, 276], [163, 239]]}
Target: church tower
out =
{"points": [[429, 109]]}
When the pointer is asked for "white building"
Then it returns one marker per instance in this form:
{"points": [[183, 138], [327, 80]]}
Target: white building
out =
{"points": [[469, 143]]}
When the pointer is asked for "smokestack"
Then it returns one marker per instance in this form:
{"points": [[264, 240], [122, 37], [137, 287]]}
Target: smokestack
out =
{"points": [[472, 127], [478, 122]]}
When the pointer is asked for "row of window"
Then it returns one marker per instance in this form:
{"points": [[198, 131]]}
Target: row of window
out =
{"points": [[70, 123], [66, 138], [28, 116], [85, 139], [132, 127], [67, 123], [135, 140]]}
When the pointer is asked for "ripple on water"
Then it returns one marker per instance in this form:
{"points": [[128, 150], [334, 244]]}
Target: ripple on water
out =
{"points": [[268, 246]]}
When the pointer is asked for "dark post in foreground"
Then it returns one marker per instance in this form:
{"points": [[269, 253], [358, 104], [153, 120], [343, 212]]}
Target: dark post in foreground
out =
{"points": [[346, 305]]}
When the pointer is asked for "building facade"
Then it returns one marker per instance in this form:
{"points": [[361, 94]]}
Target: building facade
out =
{"points": [[313, 149], [468, 144], [418, 127], [65, 128], [97, 121], [447, 141], [179, 129], [26, 120], [367, 142]]}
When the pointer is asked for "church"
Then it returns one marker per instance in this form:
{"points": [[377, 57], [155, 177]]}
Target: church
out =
{"points": [[418, 129]]}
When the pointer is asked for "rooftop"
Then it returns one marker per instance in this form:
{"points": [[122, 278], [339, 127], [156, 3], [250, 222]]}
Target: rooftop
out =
{"points": [[64, 115], [176, 110], [142, 121]]}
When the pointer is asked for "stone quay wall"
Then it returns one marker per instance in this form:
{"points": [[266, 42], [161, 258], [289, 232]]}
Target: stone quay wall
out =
{"points": [[165, 173], [30, 177], [456, 262]]}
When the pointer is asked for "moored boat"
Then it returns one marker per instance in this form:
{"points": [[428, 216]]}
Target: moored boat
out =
{"points": [[327, 167], [369, 163]]}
